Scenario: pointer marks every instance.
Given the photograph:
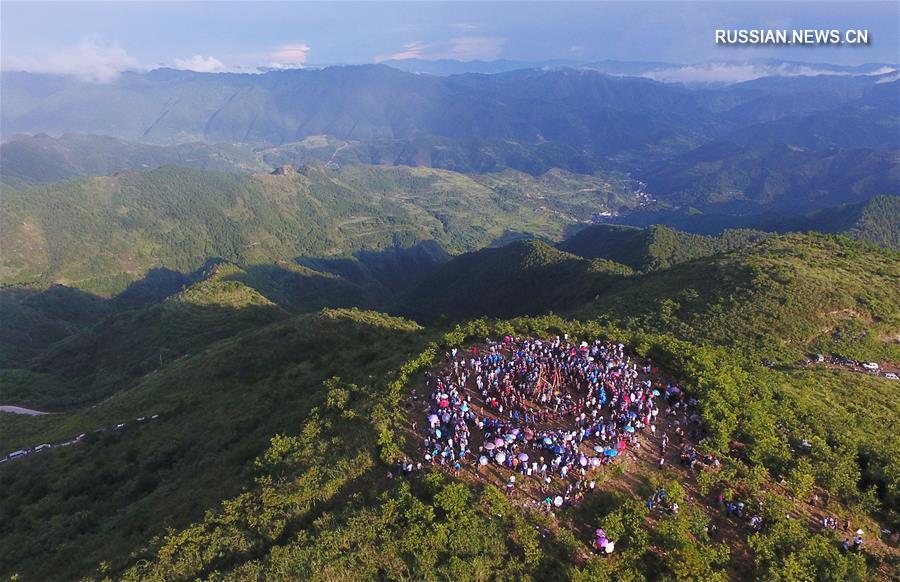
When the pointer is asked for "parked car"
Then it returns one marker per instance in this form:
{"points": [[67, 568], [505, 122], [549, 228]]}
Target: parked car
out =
{"points": [[892, 376], [120, 426], [42, 447], [870, 366], [17, 454]]}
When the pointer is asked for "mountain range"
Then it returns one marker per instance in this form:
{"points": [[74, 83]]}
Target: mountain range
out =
{"points": [[221, 294]]}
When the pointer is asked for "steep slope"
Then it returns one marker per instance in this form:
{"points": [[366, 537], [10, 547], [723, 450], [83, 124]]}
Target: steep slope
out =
{"points": [[722, 177], [102, 359], [652, 248], [106, 497], [33, 319], [524, 277], [878, 222]]}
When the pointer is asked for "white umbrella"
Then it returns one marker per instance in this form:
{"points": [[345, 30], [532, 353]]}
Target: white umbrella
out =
{"points": [[500, 457]]}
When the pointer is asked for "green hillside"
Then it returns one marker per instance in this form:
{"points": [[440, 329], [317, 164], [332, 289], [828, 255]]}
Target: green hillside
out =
{"points": [[198, 493], [522, 278], [103, 500], [775, 298], [653, 248], [42, 158], [879, 222], [102, 359], [32, 320], [101, 233], [782, 177]]}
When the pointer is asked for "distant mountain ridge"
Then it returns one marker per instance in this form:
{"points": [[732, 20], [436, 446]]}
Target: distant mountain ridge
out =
{"points": [[583, 108]]}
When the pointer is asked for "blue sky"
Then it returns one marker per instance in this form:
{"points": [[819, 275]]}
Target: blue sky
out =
{"points": [[97, 40]]}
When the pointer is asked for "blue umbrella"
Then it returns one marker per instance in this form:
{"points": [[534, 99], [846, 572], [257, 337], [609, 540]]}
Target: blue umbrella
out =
{"points": [[656, 392], [548, 441], [632, 414], [610, 452], [629, 429]]}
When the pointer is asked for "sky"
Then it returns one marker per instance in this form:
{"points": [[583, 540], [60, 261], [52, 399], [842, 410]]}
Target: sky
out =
{"points": [[98, 40]]}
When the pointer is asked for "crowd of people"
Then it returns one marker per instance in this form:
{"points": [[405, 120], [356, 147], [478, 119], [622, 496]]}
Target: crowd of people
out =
{"points": [[549, 410]]}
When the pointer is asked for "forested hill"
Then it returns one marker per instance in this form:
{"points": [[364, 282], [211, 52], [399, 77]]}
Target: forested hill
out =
{"points": [[265, 437], [101, 233], [656, 247]]}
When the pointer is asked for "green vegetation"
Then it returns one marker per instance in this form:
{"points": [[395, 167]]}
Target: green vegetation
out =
{"points": [[525, 277], [100, 360], [653, 248], [879, 222], [773, 300], [781, 177], [100, 234], [206, 491], [198, 319], [42, 158], [103, 500]]}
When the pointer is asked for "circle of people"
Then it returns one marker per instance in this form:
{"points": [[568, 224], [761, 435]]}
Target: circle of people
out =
{"points": [[546, 409]]}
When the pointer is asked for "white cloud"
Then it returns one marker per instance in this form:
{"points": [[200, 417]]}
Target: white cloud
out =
{"points": [[91, 60], [464, 48], [411, 50], [289, 56], [200, 64]]}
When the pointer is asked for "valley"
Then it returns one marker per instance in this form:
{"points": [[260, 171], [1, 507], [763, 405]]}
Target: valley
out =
{"points": [[428, 319]]}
